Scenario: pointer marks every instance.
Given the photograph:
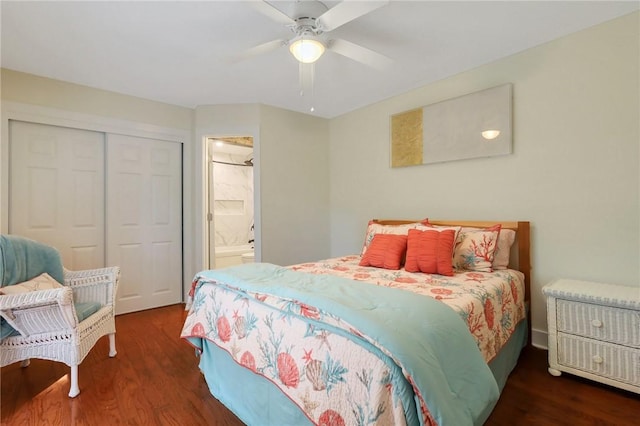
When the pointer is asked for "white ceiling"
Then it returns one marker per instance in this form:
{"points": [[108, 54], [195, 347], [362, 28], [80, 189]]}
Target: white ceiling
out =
{"points": [[179, 52]]}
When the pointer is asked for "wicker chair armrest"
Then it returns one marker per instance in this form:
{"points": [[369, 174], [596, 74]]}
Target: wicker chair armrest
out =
{"points": [[94, 285], [39, 311], [61, 296]]}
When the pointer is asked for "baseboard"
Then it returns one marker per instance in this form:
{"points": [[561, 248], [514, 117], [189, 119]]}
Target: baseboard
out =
{"points": [[539, 339]]}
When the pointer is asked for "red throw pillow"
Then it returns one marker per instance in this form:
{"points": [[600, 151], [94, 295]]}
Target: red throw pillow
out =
{"points": [[430, 251], [385, 251]]}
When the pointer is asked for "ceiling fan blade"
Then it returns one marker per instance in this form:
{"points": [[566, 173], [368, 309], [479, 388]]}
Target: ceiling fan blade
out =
{"points": [[346, 11], [360, 54], [258, 50], [271, 12]]}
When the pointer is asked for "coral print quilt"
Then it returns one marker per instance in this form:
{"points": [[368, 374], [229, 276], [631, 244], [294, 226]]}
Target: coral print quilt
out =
{"points": [[490, 303], [348, 352]]}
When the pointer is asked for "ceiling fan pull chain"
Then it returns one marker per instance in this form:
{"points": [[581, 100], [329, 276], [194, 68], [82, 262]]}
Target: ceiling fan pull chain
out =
{"points": [[301, 78], [312, 78], [307, 80]]}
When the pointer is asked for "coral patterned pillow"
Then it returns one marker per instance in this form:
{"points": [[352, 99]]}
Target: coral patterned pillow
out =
{"points": [[475, 249], [502, 255], [385, 251], [430, 251]]}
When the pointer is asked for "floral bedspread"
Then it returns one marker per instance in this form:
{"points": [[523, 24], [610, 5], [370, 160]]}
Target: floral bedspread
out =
{"points": [[314, 362], [491, 303]]}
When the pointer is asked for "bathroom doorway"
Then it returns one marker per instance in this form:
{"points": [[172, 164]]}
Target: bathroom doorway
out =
{"points": [[230, 217]]}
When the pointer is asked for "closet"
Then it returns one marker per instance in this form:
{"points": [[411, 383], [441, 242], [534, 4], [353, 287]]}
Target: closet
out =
{"points": [[102, 199]]}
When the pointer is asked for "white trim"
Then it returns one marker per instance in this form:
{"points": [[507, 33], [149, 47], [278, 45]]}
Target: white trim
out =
{"points": [[199, 206], [539, 339], [78, 120], [64, 118]]}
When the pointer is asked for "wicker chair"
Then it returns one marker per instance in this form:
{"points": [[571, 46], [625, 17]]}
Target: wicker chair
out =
{"points": [[48, 325]]}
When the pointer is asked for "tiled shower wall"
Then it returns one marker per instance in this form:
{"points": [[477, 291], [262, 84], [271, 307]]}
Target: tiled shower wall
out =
{"points": [[233, 200]]}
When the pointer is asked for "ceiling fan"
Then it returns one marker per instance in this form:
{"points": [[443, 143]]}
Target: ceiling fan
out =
{"points": [[311, 21]]}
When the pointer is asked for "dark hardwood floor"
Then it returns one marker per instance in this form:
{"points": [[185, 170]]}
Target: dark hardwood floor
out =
{"points": [[154, 380]]}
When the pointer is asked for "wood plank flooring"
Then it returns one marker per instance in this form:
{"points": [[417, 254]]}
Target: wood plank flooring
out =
{"points": [[154, 380]]}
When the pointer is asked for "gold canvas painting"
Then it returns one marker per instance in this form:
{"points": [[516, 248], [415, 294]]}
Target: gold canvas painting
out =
{"points": [[470, 126], [406, 138]]}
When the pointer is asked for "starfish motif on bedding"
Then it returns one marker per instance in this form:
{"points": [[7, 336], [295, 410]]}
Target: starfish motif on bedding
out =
{"points": [[235, 350], [307, 355], [309, 404], [324, 338]]}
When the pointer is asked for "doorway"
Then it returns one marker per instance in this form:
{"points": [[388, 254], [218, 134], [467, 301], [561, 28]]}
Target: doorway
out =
{"points": [[230, 201]]}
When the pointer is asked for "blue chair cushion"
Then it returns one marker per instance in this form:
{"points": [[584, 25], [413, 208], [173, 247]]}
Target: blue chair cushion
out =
{"points": [[6, 330], [85, 309]]}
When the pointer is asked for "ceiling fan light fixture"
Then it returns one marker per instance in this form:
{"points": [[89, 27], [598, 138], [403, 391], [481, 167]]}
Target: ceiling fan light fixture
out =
{"points": [[307, 49]]}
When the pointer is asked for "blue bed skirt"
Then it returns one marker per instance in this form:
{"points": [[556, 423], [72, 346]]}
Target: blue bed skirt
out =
{"points": [[504, 363], [257, 401]]}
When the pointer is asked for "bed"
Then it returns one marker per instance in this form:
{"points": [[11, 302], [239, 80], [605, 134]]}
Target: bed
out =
{"points": [[362, 340]]}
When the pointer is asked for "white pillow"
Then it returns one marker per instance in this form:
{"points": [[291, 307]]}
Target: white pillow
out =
{"points": [[374, 228], [501, 256], [41, 282]]}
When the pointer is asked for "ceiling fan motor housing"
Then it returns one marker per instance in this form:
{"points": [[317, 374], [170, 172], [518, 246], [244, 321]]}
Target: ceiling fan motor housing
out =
{"points": [[306, 26]]}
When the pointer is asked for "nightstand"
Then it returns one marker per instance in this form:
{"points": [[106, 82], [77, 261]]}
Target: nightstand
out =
{"points": [[594, 331]]}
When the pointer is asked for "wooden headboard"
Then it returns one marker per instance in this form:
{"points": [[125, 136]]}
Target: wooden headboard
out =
{"points": [[522, 243]]}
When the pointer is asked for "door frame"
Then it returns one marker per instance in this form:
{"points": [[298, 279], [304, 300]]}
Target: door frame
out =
{"points": [[64, 118], [209, 221]]}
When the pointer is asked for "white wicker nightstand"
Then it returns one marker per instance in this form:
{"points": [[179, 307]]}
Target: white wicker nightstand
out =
{"points": [[594, 332]]}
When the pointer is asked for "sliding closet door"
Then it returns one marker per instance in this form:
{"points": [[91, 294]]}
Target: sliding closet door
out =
{"points": [[56, 190], [60, 189], [144, 220]]}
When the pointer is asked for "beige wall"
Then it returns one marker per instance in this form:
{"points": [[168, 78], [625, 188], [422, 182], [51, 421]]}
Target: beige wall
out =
{"points": [[35, 90], [291, 178], [574, 171], [294, 179]]}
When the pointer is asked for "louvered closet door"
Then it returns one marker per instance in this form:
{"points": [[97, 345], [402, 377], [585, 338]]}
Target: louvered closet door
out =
{"points": [[144, 220], [56, 190]]}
